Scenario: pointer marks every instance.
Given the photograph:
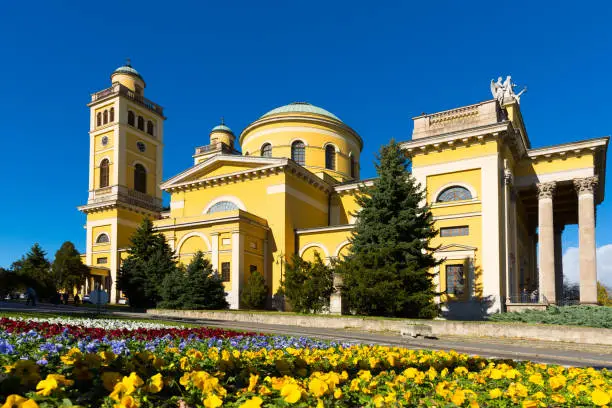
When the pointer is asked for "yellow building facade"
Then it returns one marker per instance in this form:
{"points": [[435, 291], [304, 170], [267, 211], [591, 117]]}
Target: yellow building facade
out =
{"points": [[287, 185]]}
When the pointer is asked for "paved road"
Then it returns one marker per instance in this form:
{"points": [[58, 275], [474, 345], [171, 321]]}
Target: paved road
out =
{"points": [[567, 354]]}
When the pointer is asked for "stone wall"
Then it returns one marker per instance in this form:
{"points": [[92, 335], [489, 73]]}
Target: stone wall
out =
{"points": [[440, 328]]}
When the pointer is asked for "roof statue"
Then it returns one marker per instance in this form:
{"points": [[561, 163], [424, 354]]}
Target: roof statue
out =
{"points": [[504, 91]]}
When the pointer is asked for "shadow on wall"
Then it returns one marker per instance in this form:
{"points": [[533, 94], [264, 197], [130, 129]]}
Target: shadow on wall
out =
{"points": [[477, 308]]}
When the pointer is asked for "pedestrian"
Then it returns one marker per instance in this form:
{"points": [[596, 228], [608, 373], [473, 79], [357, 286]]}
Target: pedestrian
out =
{"points": [[30, 296], [77, 300], [65, 298]]}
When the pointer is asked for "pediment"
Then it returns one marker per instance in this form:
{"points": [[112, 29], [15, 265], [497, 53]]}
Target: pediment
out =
{"points": [[220, 165], [455, 247]]}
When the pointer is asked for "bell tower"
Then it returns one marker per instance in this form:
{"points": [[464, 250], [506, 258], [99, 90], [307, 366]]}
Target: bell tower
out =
{"points": [[125, 171]]}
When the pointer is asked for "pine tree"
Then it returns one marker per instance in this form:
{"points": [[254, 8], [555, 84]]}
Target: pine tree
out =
{"points": [[387, 272], [204, 289], [174, 287], [68, 269], [36, 269], [308, 285], [149, 260], [255, 292]]}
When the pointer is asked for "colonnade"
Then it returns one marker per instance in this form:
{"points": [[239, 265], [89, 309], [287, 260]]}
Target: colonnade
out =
{"points": [[550, 265]]}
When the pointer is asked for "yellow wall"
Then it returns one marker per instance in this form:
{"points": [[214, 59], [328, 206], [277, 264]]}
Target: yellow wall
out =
{"points": [[469, 177], [461, 152], [530, 167]]}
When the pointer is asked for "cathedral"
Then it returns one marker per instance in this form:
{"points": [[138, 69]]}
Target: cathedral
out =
{"points": [[287, 184]]}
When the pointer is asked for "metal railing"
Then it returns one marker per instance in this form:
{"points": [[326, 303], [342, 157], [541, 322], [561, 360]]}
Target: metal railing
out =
{"points": [[127, 196], [118, 89]]}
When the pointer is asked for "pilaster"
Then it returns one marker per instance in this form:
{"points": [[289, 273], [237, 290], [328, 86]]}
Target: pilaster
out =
{"points": [[585, 189], [214, 255], [237, 275]]}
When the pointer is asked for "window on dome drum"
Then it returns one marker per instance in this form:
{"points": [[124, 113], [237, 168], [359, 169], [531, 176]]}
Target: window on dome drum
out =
{"points": [[131, 118], [105, 117], [330, 157], [140, 123], [222, 206], [455, 279], [455, 193], [252, 268], [266, 150], [150, 127], [140, 178], [298, 152], [102, 239], [104, 173], [225, 271], [455, 231], [353, 170], [112, 115], [99, 119]]}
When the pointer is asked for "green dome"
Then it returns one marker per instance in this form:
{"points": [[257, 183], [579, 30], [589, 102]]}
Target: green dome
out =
{"points": [[222, 128], [127, 69], [301, 107]]}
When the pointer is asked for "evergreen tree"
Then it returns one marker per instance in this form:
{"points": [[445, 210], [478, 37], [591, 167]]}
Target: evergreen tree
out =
{"points": [[204, 289], [387, 272], [308, 285], [36, 269], [255, 292], [68, 269], [175, 285], [149, 260]]}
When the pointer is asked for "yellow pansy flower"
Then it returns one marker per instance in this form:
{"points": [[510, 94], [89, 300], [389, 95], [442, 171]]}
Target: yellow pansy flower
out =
{"points": [[600, 398], [291, 393], [557, 382], [212, 401], [317, 387], [127, 401], [254, 402], [338, 393], [536, 379], [17, 401], [378, 401], [156, 383], [458, 397], [252, 382], [495, 374], [529, 404], [558, 398]]}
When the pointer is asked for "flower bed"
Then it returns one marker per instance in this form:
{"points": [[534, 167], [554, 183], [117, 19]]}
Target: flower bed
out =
{"points": [[253, 371]]}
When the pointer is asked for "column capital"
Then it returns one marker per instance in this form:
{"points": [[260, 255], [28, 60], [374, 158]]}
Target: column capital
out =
{"points": [[546, 190], [586, 185], [214, 234]]}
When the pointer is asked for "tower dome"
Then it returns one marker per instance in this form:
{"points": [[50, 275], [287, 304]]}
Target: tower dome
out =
{"points": [[222, 133], [127, 76]]}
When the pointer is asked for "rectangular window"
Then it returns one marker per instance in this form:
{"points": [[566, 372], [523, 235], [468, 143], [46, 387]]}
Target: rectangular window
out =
{"points": [[225, 271], [455, 280], [226, 241], [253, 245], [102, 260], [252, 268], [455, 231]]}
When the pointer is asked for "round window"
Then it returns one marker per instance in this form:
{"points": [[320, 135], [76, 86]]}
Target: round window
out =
{"points": [[141, 146], [104, 140]]}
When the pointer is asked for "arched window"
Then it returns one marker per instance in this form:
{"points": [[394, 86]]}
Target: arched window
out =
{"points": [[150, 127], [454, 193], [105, 116], [222, 206], [131, 118], [104, 173], [140, 178], [102, 239], [298, 152], [112, 115], [266, 150], [99, 119], [330, 157], [353, 165], [140, 123]]}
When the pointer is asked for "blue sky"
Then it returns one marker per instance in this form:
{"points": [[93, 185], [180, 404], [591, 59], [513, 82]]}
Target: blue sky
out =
{"points": [[374, 64]]}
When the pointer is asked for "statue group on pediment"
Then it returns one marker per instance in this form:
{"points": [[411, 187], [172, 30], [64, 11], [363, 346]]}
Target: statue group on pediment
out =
{"points": [[504, 91]]}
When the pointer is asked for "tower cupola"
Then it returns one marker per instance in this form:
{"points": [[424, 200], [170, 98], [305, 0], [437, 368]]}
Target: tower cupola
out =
{"points": [[127, 76], [222, 133]]}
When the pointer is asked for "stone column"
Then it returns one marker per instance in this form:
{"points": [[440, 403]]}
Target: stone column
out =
{"points": [[237, 274], [547, 242], [214, 256], [335, 300], [558, 263], [586, 238]]}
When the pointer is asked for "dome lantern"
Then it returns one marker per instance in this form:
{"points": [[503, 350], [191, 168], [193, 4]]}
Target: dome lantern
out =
{"points": [[127, 76]]}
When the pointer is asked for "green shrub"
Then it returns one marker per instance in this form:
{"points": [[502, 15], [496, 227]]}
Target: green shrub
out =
{"points": [[308, 285], [591, 316], [603, 298], [255, 292]]}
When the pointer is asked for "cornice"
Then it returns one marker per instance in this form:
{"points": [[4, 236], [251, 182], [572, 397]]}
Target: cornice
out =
{"points": [[239, 217], [317, 120], [345, 188], [112, 204], [330, 228], [562, 150], [449, 140]]}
